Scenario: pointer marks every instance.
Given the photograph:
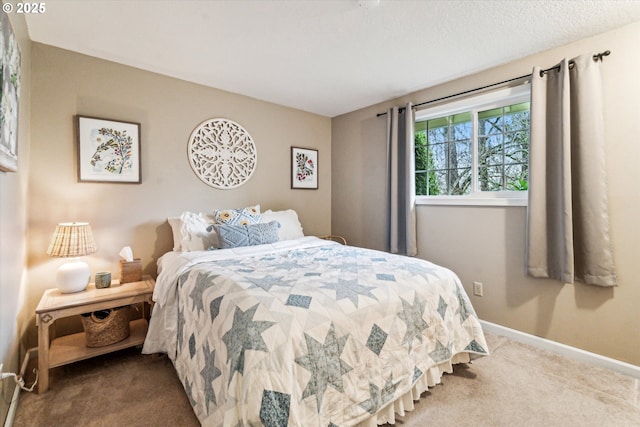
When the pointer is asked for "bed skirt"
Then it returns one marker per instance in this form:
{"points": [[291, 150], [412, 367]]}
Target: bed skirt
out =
{"points": [[405, 403]]}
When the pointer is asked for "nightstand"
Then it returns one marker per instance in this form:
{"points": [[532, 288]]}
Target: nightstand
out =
{"points": [[72, 348]]}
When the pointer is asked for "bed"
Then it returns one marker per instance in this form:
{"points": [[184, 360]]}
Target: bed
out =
{"points": [[308, 332]]}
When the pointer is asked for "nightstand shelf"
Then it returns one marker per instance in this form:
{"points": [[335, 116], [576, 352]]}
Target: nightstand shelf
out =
{"points": [[58, 351], [72, 348]]}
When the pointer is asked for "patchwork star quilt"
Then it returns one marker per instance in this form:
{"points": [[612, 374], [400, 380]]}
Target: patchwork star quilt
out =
{"points": [[318, 334]]}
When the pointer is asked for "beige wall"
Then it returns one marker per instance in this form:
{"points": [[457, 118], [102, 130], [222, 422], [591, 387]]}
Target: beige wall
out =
{"points": [[65, 84], [487, 243], [13, 227]]}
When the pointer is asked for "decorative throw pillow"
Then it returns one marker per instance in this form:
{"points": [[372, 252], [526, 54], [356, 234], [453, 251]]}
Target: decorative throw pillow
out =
{"points": [[244, 216], [290, 227], [235, 236]]}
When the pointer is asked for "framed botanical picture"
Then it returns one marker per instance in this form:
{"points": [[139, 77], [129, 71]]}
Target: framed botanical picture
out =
{"points": [[108, 151], [9, 96], [304, 168]]}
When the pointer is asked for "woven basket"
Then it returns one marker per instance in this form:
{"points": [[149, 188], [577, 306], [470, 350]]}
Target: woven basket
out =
{"points": [[106, 327]]}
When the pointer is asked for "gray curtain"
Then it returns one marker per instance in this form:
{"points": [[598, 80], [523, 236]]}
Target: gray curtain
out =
{"points": [[401, 182], [568, 222]]}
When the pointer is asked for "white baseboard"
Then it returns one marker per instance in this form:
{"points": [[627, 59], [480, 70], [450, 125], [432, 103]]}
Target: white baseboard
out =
{"points": [[563, 349]]}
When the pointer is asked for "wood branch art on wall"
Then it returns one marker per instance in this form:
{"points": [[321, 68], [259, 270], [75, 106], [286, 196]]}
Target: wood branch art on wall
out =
{"points": [[222, 153]]}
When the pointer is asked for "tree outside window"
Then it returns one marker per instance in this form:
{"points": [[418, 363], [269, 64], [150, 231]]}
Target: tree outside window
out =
{"points": [[445, 148]]}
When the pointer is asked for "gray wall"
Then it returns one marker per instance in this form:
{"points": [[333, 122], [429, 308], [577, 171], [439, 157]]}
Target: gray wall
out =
{"points": [[486, 244], [13, 227], [65, 84]]}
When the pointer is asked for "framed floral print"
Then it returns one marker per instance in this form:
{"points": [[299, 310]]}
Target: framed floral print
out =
{"points": [[304, 168], [108, 151]]}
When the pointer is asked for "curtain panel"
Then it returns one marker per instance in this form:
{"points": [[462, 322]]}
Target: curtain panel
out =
{"points": [[568, 236], [401, 182]]}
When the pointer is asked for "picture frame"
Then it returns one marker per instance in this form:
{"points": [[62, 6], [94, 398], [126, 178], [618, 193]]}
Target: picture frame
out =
{"points": [[9, 96], [304, 168], [108, 150]]}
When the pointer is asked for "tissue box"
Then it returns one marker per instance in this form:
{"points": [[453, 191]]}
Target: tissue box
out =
{"points": [[130, 271]]}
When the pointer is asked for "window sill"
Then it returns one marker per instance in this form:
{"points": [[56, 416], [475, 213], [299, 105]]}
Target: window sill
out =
{"points": [[471, 201]]}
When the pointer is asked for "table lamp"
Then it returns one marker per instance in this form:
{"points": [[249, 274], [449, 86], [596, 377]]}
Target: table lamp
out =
{"points": [[72, 239]]}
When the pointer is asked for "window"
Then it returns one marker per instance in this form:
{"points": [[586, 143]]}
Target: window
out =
{"points": [[474, 151]]}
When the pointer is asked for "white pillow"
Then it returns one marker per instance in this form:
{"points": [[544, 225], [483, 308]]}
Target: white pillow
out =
{"points": [[196, 233], [176, 228], [290, 227]]}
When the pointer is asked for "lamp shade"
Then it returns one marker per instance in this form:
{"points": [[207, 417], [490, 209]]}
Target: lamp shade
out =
{"points": [[72, 239]]}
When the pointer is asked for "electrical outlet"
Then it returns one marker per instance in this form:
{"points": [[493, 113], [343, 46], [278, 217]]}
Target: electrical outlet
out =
{"points": [[477, 289]]}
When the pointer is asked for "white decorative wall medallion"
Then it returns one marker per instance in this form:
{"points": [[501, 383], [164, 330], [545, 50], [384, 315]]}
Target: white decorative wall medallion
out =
{"points": [[222, 153]]}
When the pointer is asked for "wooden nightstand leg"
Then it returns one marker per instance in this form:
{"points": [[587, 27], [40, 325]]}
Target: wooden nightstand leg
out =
{"points": [[43, 352]]}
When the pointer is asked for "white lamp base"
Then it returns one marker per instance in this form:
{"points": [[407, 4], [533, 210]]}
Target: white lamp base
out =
{"points": [[73, 276]]}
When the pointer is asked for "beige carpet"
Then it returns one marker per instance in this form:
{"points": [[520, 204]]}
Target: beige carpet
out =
{"points": [[517, 385]]}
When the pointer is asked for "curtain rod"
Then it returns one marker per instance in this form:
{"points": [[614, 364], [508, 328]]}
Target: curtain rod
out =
{"points": [[597, 57]]}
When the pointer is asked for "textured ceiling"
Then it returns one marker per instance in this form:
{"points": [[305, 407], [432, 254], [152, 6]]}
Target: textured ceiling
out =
{"points": [[326, 57]]}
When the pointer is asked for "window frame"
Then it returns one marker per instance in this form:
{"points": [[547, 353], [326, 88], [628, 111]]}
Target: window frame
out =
{"points": [[486, 101]]}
